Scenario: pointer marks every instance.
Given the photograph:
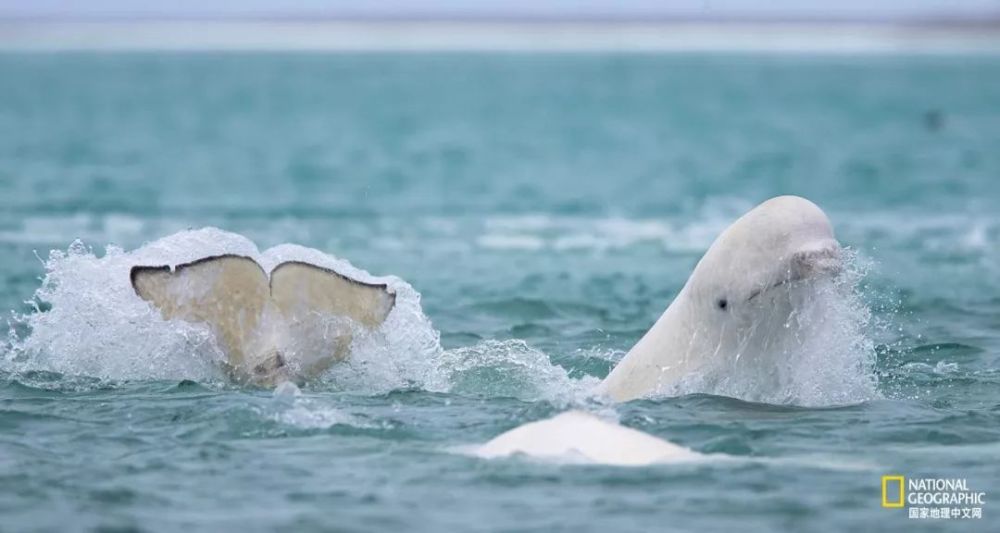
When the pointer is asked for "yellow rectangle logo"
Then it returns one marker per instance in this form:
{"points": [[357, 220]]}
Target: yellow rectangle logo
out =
{"points": [[886, 480]]}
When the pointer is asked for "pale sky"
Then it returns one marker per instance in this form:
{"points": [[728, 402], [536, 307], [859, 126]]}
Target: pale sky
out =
{"points": [[852, 9]]}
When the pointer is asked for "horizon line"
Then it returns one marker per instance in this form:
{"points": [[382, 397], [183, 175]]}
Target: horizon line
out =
{"points": [[985, 18], [435, 35]]}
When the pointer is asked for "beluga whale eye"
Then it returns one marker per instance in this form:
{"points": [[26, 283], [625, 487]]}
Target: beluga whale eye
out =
{"points": [[722, 303]]}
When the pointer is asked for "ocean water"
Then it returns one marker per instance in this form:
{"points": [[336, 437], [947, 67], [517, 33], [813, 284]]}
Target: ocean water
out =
{"points": [[536, 213]]}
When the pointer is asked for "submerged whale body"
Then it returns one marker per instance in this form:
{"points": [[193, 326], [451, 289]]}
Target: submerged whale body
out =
{"points": [[289, 324], [576, 436], [732, 315]]}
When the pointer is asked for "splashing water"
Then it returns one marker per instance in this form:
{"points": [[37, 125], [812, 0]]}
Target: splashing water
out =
{"points": [[88, 322], [512, 368], [95, 326]]}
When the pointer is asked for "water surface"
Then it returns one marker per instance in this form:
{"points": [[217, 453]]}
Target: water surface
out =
{"points": [[545, 210]]}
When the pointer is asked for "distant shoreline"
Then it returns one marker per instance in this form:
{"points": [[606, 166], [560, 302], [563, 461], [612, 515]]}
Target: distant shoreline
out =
{"points": [[537, 35]]}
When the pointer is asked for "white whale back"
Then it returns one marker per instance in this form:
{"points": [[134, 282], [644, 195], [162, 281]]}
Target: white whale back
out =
{"points": [[575, 436]]}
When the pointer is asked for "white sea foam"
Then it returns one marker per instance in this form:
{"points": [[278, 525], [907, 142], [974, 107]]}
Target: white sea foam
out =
{"points": [[607, 234], [690, 232]]}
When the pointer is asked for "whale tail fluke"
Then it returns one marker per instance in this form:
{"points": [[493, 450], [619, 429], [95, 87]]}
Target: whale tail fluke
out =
{"points": [[252, 316]]}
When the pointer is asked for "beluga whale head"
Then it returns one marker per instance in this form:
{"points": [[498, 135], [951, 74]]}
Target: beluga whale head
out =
{"points": [[736, 312]]}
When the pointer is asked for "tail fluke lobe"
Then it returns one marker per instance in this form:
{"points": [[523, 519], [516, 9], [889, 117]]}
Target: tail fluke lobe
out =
{"points": [[298, 287], [315, 302], [228, 293]]}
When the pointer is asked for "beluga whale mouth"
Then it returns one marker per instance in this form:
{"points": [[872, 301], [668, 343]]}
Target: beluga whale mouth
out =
{"points": [[825, 260], [289, 324]]}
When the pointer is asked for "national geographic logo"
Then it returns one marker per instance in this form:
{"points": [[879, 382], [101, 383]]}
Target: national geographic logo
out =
{"points": [[893, 492], [937, 498]]}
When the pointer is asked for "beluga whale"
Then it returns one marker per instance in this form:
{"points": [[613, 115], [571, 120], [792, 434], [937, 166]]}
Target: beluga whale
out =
{"points": [[289, 324], [736, 305], [733, 314]]}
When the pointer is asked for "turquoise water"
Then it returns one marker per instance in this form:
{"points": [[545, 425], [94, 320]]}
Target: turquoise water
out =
{"points": [[545, 210]]}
